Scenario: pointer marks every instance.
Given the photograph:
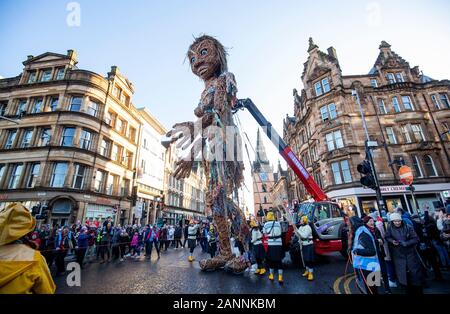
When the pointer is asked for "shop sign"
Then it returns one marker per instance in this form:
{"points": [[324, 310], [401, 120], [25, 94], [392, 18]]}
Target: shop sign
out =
{"points": [[3, 196], [138, 210], [393, 189]]}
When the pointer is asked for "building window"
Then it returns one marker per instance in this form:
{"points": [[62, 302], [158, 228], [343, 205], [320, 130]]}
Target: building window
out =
{"points": [[429, 166], [46, 75], [132, 134], [45, 137], [10, 139], [391, 135], [407, 104], [115, 153], [34, 174], [124, 187], [341, 172], [374, 83], [2, 171], [93, 108], [37, 106], [75, 104], [78, 176], [99, 181], [26, 139], [435, 101], [58, 175], [32, 77], [381, 106], [405, 133], [15, 176], [417, 168], [328, 112], [444, 100], [68, 135], [395, 104], [22, 107], [418, 133], [390, 78], [265, 199], [105, 147], [446, 128], [53, 104], [264, 187], [111, 184], [334, 140], [117, 91], [85, 139], [318, 178], [60, 74], [3, 109], [322, 87], [399, 77]]}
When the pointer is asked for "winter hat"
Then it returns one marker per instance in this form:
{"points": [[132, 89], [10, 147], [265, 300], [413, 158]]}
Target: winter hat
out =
{"points": [[366, 219], [395, 216]]}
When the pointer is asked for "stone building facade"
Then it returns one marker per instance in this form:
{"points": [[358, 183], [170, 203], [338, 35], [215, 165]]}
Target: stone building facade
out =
{"points": [[69, 140], [150, 167], [185, 198], [406, 112]]}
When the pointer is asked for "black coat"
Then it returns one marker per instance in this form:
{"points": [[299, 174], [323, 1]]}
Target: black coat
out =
{"points": [[404, 255]]}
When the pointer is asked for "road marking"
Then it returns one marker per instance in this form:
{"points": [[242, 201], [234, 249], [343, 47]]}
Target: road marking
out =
{"points": [[347, 284], [338, 282]]}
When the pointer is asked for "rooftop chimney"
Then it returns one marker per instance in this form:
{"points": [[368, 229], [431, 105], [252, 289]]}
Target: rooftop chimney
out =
{"points": [[332, 52], [29, 57]]}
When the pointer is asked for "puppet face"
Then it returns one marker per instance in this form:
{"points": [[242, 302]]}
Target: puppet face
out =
{"points": [[204, 59]]}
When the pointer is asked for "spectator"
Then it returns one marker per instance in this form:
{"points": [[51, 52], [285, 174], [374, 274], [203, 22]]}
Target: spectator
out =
{"points": [[23, 270], [82, 245], [171, 236], [212, 241], [124, 240], [106, 240], [151, 239], [177, 235], [186, 234], [63, 244], [402, 241], [364, 253]]}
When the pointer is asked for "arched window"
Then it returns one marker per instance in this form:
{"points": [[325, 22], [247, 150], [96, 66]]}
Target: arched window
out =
{"points": [[429, 166]]}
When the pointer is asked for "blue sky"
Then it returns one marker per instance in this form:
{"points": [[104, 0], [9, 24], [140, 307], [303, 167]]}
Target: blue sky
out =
{"points": [[267, 43]]}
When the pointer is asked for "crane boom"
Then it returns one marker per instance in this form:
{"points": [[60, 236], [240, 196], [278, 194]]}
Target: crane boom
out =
{"points": [[285, 150]]}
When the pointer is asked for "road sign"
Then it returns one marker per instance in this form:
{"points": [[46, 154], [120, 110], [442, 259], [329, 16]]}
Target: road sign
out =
{"points": [[446, 194], [406, 175]]}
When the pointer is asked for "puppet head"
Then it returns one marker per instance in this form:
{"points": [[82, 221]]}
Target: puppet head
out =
{"points": [[207, 57]]}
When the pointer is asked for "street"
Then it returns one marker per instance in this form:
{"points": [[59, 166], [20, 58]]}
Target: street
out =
{"points": [[172, 273]]}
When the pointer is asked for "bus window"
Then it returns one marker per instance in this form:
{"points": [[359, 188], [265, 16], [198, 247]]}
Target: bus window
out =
{"points": [[335, 211], [323, 211]]}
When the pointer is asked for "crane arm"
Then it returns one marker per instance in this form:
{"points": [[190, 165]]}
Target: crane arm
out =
{"points": [[285, 150]]}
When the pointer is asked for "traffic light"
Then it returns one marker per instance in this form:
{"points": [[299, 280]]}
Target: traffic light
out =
{"points": [[367, 178]]}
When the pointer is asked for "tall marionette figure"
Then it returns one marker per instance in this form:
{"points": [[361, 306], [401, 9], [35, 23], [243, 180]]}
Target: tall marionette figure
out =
{"points": [[210, 133]]}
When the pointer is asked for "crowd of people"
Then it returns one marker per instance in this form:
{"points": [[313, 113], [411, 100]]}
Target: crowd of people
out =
{"points": [[400, 247], [105, 242]]}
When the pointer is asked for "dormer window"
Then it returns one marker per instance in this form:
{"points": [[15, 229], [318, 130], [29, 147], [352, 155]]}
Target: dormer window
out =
{"points": [[322, 87], [399, 77], [394, 78], [60, 74], [32, 77], [46, 75]]}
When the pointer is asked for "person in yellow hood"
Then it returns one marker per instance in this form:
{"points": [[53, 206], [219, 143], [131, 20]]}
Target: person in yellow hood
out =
{"points": [[23, 270]]}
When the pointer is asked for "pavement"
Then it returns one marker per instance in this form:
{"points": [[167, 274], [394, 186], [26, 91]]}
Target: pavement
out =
{"points": [[173, 274]]}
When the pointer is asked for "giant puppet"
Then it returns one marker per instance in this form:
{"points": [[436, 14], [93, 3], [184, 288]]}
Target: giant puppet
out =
{"points": [[210, 133]]}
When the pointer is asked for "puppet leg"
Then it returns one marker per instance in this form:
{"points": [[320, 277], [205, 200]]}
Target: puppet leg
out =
{"points": [[223, 230]]}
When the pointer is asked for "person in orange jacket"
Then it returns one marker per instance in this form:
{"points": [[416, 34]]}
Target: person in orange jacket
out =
{"points": [[23, 270]]}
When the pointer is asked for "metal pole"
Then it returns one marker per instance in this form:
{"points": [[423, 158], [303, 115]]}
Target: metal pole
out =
{"points": [[414, 201], [381, 205]]}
